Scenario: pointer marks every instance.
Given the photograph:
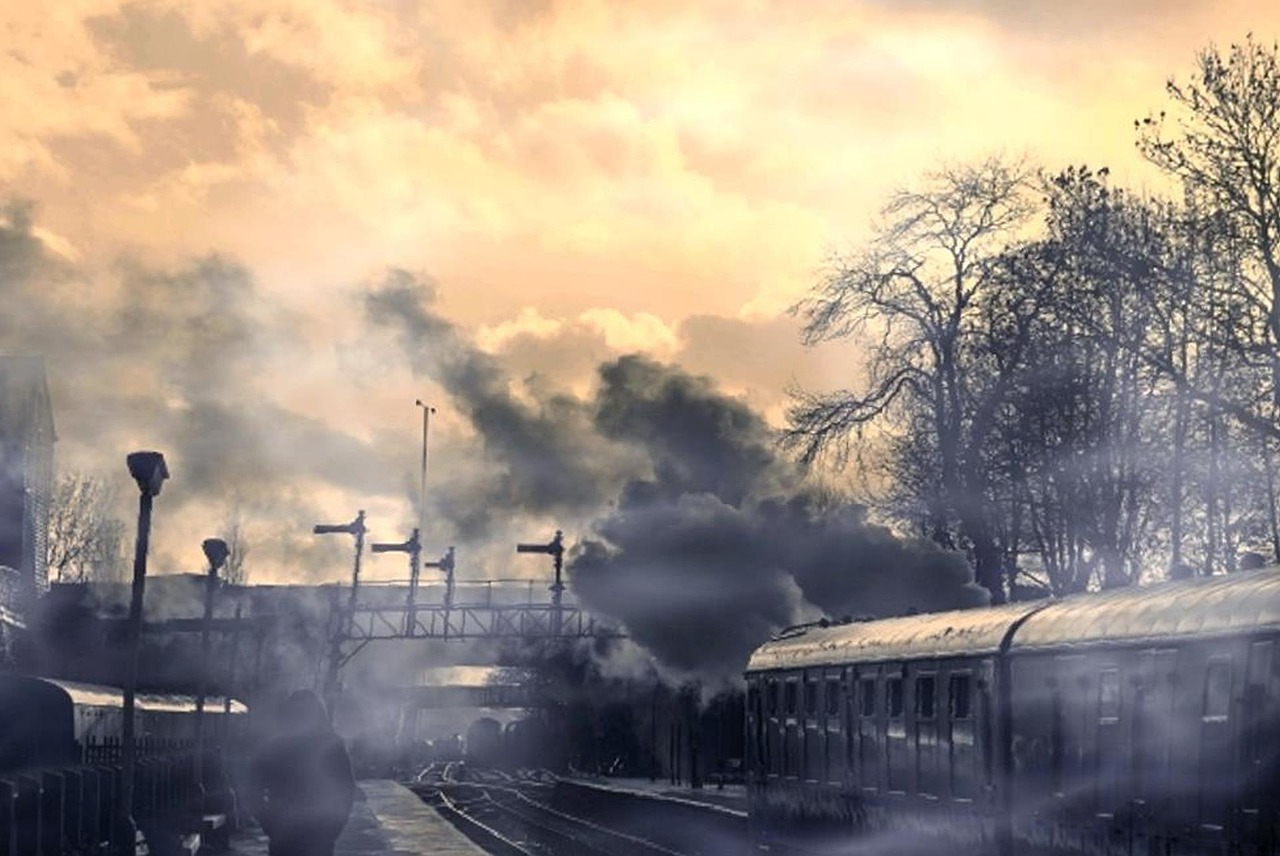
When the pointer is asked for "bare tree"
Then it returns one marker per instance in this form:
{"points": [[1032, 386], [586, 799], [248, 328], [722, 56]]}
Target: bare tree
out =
{"points": [[916, 292], [1084, 430], [234, 570], [1225, 147], [85, 538]]}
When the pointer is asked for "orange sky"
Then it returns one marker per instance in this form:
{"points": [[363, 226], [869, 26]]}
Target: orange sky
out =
{"points": [[579, 178]]}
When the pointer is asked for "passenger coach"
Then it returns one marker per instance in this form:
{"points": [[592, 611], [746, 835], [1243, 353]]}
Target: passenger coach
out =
{"points": [[1140, 720]]}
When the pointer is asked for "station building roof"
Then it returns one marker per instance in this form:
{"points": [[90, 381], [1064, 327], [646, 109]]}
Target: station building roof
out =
{"points": [[1201, 607]]}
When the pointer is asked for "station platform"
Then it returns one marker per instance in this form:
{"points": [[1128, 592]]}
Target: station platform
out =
{"points": [[732, 797], [387, 820]]}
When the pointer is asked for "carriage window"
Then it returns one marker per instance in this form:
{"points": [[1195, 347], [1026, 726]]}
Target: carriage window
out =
{"points": [[1217, 691], [810, 698], [868, 696], [772, 698], [894, 690], [1056, 743], [833, 697], [1109, 695], [789, 697], [960, 703], [924, 697]]}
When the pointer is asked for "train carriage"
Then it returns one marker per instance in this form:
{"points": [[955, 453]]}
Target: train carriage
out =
{"points": [[1140, 720], [53, 722]]}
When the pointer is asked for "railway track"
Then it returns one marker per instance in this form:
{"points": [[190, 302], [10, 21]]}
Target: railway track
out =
{"points": [[511, 815]]}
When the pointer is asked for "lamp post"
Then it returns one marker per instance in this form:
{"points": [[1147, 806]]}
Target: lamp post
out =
{"points": [[427, 410], [216, 551], [149, 471]]}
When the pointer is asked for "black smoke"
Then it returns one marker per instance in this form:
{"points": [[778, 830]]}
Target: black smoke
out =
{"points": [[725, 543], [546, 456], [702, 540]]}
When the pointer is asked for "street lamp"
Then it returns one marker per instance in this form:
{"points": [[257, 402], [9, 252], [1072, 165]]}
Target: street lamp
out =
{"points": [[216, 551], [427, 410], [149, 471]]}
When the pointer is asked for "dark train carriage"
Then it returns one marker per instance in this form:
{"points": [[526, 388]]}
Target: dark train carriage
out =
{"points": [[882, 725], [1136, 721], [484, 743], [50, 722], [526, 743], [1149, 717], [38, 724], [99, 713]]}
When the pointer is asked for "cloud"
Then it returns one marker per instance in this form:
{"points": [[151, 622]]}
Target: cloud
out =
{"points": [[178, 360]]}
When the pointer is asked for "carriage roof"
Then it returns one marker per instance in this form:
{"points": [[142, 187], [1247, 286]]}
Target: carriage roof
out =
{"points": [[95, 695], [1201, 607]]}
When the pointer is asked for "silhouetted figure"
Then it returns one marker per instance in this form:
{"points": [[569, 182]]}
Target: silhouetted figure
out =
{"points": [[301, 781]]}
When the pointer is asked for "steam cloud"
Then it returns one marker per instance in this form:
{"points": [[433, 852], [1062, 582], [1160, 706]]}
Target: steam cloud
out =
{"points": [[713, 541]]}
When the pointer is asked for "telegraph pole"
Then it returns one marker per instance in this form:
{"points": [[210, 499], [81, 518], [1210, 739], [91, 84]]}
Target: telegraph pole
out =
{"points": [[427, 410], [355, 528], [555, 548], [215, 550], [445, 564], [414, 548]]}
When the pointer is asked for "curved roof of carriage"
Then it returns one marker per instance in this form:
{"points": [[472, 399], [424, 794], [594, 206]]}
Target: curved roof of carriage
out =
{"points": [[96, 695], [1201, 607]]}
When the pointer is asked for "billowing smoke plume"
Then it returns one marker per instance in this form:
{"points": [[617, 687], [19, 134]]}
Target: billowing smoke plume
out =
{"points": [[547, 457], [703, 560], [710, 541]]}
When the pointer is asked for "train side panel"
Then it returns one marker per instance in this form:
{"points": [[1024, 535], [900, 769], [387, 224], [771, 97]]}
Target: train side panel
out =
{"points": [[874, 749], [1164, 748]]}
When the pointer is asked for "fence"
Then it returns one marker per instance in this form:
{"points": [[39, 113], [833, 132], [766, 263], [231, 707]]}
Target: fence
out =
{"points": [[73, 809]]}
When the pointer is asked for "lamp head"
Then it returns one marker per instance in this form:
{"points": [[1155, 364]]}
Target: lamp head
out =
{"points": [[148, 470], [216, 551]]}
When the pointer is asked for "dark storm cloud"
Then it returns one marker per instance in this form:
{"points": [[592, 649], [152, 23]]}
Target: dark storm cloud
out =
{"points": [[549, 457]]}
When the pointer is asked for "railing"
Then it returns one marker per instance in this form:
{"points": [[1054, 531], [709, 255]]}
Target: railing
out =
{"points": [[48, 811], [520, 591], [469, 622]]}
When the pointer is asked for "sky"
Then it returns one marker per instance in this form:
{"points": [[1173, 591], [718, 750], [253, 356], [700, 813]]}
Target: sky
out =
{"points": [[250, 233]]}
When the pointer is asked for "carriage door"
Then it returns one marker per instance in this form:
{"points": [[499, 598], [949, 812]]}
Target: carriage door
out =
{"points": [[962, 761], [754, 767], [1152, 738], [896, 733], [1216, 761], [870, 755], [1257, 770]]}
